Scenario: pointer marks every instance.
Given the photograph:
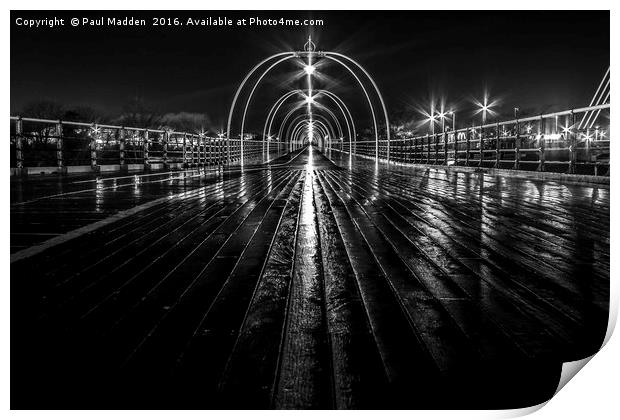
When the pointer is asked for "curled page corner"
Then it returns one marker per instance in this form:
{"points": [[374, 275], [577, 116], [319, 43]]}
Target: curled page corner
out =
{"points": [[569, 370]]}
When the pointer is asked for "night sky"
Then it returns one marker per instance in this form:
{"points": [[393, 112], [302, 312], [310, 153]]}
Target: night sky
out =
{"points": [[536, 60]]}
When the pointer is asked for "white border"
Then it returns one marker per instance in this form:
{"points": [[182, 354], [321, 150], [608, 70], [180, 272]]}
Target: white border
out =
{"points": [[593, 393]]}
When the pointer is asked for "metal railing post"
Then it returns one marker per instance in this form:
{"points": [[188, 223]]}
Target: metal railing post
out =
{"points": [[541, 144], [498, 142], [467, 144], [517, 163], [60, 163], [121, 147], [445, 148], [572, 141], [19, 146], [210, 148], [587, 144], [145, 149], [428, 149], [481, 148], [165, 139], [93, 149], [184, 147]]}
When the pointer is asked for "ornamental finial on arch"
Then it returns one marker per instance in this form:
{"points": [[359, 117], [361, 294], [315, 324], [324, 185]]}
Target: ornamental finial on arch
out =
{"points": [[309, 46]]}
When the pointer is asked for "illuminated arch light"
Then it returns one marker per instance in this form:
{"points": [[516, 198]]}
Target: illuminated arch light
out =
{"points": [[238, 92], [296, 125], [346, 113], [288, 115], [305, 126], [310, 48], [318, 118]]}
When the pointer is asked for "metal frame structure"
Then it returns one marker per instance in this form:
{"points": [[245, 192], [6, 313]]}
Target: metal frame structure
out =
{"points": [[46, 145], [541, 143], [309, 52], [549, 142]]}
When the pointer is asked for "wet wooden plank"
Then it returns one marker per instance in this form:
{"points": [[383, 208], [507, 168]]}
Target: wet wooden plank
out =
{"points": [[364, 287], [360, 379], [304, 379], [252, 366], [570, 332]]}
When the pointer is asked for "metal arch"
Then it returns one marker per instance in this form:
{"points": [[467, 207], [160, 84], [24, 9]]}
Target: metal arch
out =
{"points": [[336, 98], [320, 127], [240, 88], [331, 130], [272, 113], [372, 109], [345, 119], [323, 134], [300, 126], [385, 114], [331, 114], [247, 103], [303, 134], [306, 137], [277, 106], [331, 127], [310, 53], [286, 119]]}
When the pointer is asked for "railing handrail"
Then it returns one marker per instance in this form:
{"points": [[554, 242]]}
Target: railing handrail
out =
{"points": [[480, 126], [517, 120], [109, 126]]}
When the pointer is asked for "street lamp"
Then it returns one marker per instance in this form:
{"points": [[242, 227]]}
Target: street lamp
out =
{"points": [[485, 108], [442, 116], [431, 120]]}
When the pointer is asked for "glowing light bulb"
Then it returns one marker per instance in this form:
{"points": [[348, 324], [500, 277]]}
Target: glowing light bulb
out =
{"points": [[309, 99], [309, 69]]}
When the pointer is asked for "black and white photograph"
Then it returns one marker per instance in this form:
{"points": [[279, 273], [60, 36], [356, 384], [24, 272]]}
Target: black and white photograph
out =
{"points": [[306, 209]]}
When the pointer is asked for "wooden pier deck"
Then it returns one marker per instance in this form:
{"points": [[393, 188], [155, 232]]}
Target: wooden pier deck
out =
{"points": [[322, 282]]}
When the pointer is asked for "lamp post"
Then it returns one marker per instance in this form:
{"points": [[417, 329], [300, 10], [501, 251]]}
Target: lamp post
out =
{"points": [[442, 116]]}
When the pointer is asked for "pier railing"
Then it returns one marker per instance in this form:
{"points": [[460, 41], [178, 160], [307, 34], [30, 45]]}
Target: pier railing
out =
{"points": [[55, 146], [575, 141]]}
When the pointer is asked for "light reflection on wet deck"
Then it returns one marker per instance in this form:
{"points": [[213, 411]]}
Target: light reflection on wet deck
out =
{"points": [[320, 283]]}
